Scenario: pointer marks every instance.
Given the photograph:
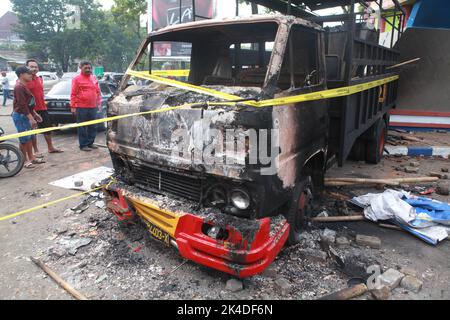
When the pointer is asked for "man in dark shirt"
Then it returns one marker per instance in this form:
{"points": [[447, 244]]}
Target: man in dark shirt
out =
{"points": [[24, 117]]}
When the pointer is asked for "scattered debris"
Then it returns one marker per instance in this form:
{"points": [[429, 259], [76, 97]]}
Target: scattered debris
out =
{"points": [[347, 293], [283, 286], [443, 189], [411, 169], [78, 183], [411, 283], [234, 285], [329, 236], [77, 295], [381, 293], [368, 241], [342, 242], [339, 218], [391, 278]]}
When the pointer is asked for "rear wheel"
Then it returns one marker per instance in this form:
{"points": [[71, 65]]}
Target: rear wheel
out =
{"points": [[375, 146], [300, 206], [11, 160]]}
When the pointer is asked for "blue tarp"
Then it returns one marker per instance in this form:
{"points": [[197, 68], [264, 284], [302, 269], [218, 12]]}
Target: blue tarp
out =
{"points": [[434, 14]]}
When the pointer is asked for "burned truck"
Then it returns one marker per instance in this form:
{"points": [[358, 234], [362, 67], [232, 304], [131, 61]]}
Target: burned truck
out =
{"points": [[224, 179]]}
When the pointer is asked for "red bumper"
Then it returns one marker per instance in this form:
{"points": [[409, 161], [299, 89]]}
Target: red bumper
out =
{"points": [[238, 254]]}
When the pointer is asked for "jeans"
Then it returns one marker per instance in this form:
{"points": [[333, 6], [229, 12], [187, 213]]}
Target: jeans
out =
{"points": [[22, 124], [86, 135], [6, 96]]}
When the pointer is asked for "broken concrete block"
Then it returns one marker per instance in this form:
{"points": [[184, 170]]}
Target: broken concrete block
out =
{"points": [[442, 189], [283, 286], [408, 271], [234, 285], [410, 169], [329, 236], [411, 283], [444, 169], [391, 278], [368, 241], [414, 164], [381, 293], [342, 241]]}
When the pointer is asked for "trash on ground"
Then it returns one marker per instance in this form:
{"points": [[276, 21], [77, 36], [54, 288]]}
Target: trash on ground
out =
{"points": [[86, 177], [423, 217]]}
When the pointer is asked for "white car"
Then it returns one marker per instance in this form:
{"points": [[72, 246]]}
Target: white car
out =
{"points": [[12, 77], [49, 79]]}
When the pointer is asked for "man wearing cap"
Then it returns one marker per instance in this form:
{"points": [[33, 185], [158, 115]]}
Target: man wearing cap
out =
{"points": [[85, 99], [36, 87], [24, 116]]}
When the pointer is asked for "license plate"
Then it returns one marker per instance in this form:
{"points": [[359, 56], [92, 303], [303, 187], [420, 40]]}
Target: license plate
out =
{"points": [[158, 234]]}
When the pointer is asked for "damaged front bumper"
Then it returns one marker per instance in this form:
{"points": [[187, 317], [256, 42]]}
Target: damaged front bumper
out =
{"points": [[237, 246]]}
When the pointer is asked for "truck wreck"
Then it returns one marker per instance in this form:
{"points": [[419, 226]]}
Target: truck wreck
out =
{"points": [[226, 183]]}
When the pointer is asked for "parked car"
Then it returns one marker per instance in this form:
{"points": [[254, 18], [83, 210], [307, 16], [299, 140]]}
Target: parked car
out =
{"points": [[12, 77], [115, 78], [49, 78], [58, 103], [69, 75]]}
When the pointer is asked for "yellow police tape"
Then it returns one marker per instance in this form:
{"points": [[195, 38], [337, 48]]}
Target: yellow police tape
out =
{"points": [[10, 216], [171, 73], [318, 95], [324, 94]]}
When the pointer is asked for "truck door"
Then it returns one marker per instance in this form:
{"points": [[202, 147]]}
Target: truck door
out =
{"points": [[303, 126]]}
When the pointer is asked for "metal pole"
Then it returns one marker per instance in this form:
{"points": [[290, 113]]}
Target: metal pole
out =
{"points": [[181, 13], [393, 28], [193, 10], [237, 8], [288, 11]]}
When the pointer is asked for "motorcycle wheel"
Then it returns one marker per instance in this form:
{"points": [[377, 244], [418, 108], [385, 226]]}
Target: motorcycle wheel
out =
{"points": [[11, 160]]}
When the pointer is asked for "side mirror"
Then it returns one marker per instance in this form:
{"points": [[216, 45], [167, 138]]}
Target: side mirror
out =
{"points": [[333, 65]]}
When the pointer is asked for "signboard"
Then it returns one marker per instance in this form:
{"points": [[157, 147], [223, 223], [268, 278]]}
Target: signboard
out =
{"points": [[170, 12]]}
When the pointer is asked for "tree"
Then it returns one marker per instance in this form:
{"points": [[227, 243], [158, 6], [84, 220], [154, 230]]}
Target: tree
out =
{"points": [[127, 13], [43, 26]]}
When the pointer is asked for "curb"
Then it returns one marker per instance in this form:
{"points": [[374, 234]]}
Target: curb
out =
{"points": [[419, 151]]}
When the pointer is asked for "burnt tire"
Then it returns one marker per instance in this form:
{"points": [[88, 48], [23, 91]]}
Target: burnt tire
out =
{"points": [[299, 207], [375, 145], [358, 152]]}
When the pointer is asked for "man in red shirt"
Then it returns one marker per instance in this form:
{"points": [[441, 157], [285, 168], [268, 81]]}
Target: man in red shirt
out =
{"points": [[37, 90], [85, 100]]}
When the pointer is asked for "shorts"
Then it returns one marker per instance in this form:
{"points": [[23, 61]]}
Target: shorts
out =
{"points": [[22, 124], [46, 121]]}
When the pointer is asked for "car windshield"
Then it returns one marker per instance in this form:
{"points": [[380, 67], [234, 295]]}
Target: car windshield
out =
{"points": [[61, 89]]}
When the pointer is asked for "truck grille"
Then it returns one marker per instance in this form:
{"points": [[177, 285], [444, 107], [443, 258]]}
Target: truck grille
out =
{"points": [[164, 182]]}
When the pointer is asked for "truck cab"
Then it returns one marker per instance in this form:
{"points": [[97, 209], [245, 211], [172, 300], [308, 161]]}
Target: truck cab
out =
{"points": [[225, 182]]}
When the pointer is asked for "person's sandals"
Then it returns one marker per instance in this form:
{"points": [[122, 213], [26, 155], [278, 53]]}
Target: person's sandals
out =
{"points": [[85, 149], [29, 165], [92, 146], [38, 161], [39, 155]]}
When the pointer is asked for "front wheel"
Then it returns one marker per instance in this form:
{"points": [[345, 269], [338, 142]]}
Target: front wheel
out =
{"points": [[300, 207], [11, 160], [375, 146]]}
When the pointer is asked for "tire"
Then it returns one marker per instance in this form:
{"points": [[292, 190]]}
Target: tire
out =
{"points": [[358, 152], [375, 146], [299, 208], [10, 154]]}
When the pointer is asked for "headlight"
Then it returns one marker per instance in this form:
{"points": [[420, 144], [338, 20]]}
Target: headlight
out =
{"points": [[240, 199]]}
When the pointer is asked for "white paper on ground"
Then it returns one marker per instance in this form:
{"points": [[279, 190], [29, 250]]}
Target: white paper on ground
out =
{"points": [[88, 177], [387, 205]]}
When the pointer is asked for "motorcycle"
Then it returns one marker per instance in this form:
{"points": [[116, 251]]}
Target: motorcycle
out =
{"points": [[11, 159]]}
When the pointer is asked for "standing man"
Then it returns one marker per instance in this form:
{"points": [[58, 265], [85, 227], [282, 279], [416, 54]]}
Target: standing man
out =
{"points": [[85, 100], [4, 81], [24, 117], [36, 87]]}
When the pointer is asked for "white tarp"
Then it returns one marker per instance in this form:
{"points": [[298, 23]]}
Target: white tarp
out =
{"points": [[88, 177], [391, 205]]}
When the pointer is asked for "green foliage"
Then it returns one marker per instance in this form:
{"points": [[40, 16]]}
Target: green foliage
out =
{"points": [[105, 38]]}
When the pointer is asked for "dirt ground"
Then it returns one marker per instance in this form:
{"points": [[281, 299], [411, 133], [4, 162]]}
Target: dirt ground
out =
{"points": [[120, 262]]}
